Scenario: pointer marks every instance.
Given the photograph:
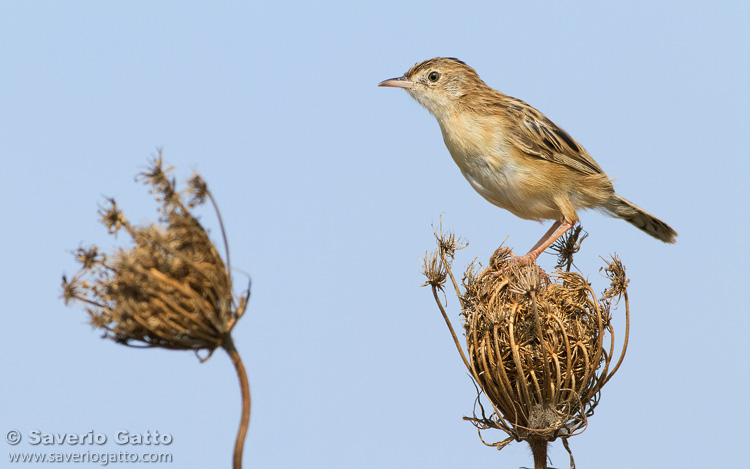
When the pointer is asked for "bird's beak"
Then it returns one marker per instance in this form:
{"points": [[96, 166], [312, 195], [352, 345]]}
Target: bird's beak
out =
{"points": [[401, 82]]}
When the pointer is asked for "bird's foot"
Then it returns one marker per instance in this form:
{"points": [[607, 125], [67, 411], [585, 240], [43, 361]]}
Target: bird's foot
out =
{"points": [[527, 259], [500, 260], [503, 261]]}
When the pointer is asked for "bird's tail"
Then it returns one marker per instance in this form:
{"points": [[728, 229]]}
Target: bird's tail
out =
{"points": [[641, 219]]}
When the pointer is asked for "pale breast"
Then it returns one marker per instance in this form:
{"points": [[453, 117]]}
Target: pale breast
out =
{"points": [[506, 187], [484, 161], [482, 156]]}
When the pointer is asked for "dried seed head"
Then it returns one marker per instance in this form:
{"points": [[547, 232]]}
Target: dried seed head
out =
{"points": [[615, 272], [447, 242], [536, 345], [171, 288], [87, 257], [568, 245], [111, 217], [198, 190], [434, 269]]}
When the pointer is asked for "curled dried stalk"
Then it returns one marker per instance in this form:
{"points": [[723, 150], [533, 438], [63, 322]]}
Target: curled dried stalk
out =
{"points": [[171, 288], [539, 347]]}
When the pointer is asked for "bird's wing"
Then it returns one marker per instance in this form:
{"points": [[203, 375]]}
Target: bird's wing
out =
{"points": [[538, 136]]}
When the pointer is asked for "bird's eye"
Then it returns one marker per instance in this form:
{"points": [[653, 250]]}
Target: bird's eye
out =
{"points": [[433, 76]]}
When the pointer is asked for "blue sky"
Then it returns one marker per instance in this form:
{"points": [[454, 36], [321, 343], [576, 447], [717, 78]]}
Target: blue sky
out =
{"points": [[328, 186]]}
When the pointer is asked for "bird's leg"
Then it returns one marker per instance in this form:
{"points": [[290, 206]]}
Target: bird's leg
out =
{"points": [[547, 235], [558, 229]]}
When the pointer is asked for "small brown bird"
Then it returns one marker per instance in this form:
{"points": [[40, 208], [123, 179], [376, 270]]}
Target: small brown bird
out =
{"points": [[514, 156]]}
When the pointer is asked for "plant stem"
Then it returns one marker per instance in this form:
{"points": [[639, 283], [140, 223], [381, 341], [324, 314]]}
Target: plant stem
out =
{"points": [[539, 450], [228, 345]]}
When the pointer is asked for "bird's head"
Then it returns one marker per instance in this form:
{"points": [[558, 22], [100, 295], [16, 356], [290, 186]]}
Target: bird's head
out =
{"points": [[439, 84]]}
